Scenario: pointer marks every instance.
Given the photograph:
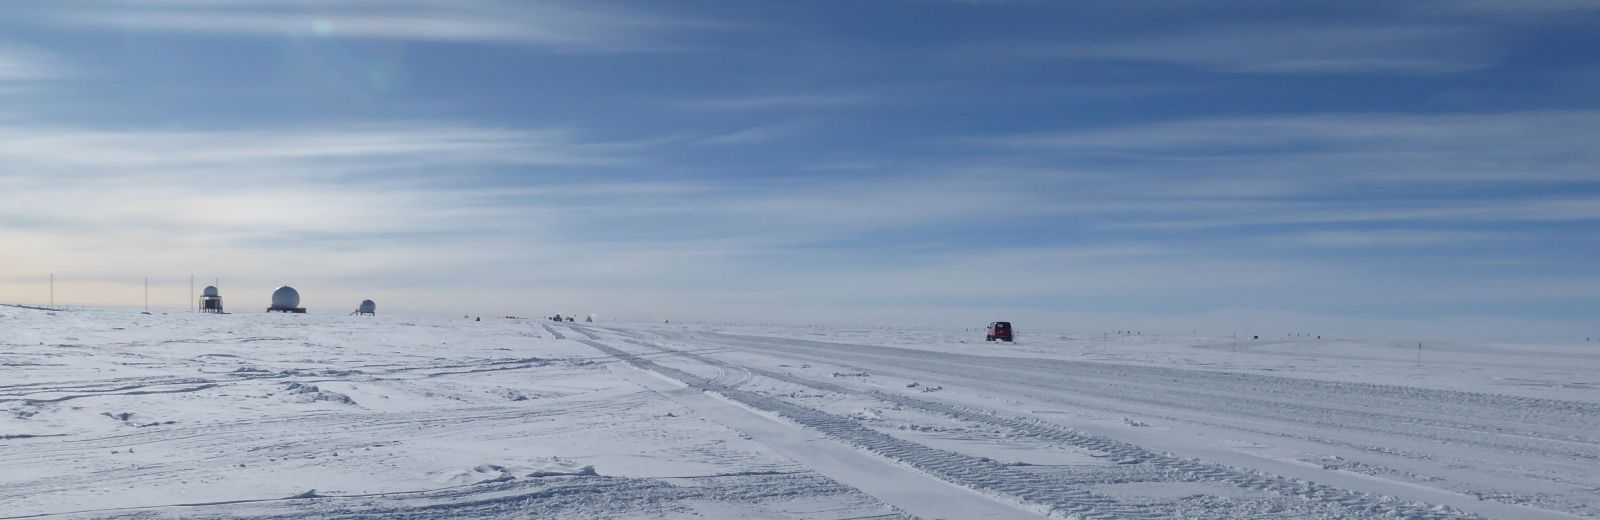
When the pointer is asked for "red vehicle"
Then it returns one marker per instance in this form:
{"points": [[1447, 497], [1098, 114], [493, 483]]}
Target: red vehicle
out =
{"points": [[1000, 330]]}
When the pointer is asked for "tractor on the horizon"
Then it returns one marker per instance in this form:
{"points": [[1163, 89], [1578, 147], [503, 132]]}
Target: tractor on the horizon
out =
{"points": [[1000, 330]]}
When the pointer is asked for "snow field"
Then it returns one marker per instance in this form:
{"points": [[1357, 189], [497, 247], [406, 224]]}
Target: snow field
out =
{"points": [[113, 413], [108, 413]]}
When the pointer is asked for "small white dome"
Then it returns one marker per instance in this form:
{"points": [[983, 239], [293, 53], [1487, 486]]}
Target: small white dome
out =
{"points": [[211, 291], [285, 298], [368, 307]]}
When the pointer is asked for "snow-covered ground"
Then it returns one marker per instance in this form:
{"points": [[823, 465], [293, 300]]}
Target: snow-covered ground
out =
{"points": [[116, 413]]}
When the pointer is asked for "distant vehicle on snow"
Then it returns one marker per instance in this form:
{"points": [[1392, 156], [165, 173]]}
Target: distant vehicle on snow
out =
{"points": [[1000, 330]]}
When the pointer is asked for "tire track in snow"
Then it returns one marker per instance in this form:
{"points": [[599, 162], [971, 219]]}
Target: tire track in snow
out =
{"points": [[1349, 503], [1433, 402], [983, 475], [552, 331], [995, 478], [1548, 442]]}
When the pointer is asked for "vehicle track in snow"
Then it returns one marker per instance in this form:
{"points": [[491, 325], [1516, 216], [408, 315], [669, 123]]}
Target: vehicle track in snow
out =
{"points": [[1556, 430], [1544, 442], [1546, 419], [1001, 480], [553, 333]]}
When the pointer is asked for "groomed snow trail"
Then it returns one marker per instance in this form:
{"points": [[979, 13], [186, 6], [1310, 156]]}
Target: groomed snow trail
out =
{"points": [[1500, 455], [913, 492], [1007, 481]]}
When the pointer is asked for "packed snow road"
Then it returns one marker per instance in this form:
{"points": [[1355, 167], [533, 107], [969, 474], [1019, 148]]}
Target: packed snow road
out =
{"points": [[1358, 448]]}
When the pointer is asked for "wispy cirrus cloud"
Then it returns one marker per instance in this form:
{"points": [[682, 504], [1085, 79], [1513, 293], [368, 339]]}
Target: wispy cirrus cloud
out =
{"points": [[553, 24], [289, 152], [759, 134], [341, 209], [1517, 210], [22, 63], [348, 207], [360, 181], [372, 182], [352, 205], [1349, 180], [1514, 8], [780, 102], [1408, 238], [1290, 48], [1538, 146]]}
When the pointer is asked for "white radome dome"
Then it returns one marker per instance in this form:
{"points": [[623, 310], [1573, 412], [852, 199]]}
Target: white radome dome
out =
{"points": [[368, 307], [211, 291], [285, 298]]}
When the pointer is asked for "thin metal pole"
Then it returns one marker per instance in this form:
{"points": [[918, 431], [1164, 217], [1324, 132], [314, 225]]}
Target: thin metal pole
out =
{"points": [[147, 294]]}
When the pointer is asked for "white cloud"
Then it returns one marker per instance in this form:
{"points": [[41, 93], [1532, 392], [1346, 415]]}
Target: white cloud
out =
{"points": [[1551, 146], [381, 201], [1321, 130], [554, 24], [356, 184], [258, 207], [1454, 173], [758, 134], [1515, 8], [22, 63], [1299, 49], [780, 102], [1393, 238], [1549, 209], [287, 152]]}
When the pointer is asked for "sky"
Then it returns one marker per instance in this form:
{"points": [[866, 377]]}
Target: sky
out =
{"points": [[1423, 169]]}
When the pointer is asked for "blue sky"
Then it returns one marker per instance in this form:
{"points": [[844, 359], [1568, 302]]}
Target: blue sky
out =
{"points": [[1416, 169]]}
